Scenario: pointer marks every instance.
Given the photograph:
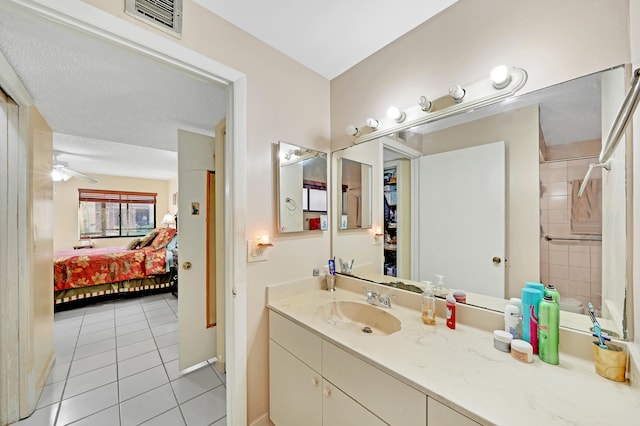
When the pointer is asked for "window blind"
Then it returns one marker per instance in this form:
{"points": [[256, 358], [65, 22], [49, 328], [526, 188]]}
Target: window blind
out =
{"points": [[123, 197]]}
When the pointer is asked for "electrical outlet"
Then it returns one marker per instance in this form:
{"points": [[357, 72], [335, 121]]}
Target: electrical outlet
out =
{"points": [[255, 254]]}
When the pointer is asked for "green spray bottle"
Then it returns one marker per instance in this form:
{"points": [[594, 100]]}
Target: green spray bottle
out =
{"points": [[548, 330]]}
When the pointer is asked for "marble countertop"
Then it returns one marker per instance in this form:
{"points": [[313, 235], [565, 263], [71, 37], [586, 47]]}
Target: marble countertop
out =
{"points": [[461, 368]]}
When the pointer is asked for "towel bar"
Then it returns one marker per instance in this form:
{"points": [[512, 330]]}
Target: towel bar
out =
{"points": [[592, 238]]}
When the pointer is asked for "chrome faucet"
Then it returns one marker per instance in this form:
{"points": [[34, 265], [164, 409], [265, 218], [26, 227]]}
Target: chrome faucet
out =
{"points": [[378, 299]]}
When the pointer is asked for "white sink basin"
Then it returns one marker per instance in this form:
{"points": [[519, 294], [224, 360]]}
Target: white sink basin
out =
{"points": [[359, 318]]}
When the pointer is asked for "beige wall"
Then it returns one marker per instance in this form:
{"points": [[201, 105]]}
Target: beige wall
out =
{"points": [[519, 129], [173, 189], [40, 311], [277, 88], [65, 206]]}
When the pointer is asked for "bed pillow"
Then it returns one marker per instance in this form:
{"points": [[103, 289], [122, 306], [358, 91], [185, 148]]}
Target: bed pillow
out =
{"points": [[133, 244], [163, 238], [148, 239]]}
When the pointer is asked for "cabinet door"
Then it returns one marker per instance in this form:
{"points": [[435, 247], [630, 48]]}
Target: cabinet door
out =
{"points": [[340, 410], [295, 390], [439, 414]]}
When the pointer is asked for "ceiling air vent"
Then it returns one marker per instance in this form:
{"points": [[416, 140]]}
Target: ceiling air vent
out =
{"points": [[164, 14]]}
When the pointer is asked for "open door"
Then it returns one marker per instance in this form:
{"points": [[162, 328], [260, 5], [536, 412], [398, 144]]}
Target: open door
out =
{"points": [[197, 340], [462, 226]]}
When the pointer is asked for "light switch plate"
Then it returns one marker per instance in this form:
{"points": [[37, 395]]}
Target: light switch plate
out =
{"points": [[254, 254]]}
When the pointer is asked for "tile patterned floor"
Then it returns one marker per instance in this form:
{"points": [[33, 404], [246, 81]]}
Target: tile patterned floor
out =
{"points": [[117, 364]]}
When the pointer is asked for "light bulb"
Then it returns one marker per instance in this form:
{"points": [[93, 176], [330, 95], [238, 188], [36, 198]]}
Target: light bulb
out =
{"points": [[395, 114], [457, 92], [352, 130], [372, 122], [425, 104], [500, 77], [56, 176]]}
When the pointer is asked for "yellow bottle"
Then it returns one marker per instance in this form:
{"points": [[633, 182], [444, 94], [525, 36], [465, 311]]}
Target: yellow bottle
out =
{"points": [[428, 308]]}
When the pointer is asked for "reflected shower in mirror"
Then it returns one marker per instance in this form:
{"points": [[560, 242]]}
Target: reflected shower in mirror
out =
{"points": [[355, 195], [550, 136], [302, 189]]}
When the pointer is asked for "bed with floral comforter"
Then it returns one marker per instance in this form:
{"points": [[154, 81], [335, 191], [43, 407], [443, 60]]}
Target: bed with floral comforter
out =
{"points": [[84, 273]]}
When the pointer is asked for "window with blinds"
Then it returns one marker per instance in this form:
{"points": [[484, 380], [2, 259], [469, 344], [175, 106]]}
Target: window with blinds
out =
{"points": [[105, 213]]}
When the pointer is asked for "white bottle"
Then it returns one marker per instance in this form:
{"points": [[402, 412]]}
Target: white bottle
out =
{"points": [[513, 321]]}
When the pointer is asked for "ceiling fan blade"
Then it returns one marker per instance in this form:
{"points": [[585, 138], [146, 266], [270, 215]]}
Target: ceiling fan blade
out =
{"points": [[81, 175]]}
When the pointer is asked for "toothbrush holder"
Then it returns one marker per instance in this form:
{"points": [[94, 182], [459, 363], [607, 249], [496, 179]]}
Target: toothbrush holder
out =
{"points": [[331, 282], [610, 363]]}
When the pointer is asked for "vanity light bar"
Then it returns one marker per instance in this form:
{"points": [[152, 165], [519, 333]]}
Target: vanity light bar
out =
{"points": [[476, 94]]}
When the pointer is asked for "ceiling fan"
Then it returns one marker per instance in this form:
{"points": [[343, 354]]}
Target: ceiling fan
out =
{"points": [[62, 172]]}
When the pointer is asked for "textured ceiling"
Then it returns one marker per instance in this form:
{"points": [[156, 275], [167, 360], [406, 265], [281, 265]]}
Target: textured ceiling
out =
{"points": [[96, 95], [331, 36]]}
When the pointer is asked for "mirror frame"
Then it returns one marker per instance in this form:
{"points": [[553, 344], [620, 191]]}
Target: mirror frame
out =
{"points": [[302, 202], [366, 179]]}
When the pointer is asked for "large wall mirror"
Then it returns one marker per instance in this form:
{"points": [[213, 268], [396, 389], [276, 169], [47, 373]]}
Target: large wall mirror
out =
{"points": [[302, 189], [355, 195], [518, 163]]}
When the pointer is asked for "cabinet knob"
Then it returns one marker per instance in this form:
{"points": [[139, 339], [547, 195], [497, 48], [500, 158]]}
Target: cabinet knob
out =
{"points": [[314, 381], [186, 266], [496, 260], [326, 392]]}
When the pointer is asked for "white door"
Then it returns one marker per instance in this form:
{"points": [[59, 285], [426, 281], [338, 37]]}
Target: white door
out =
{"points": [[462, 218], [197, 342]]}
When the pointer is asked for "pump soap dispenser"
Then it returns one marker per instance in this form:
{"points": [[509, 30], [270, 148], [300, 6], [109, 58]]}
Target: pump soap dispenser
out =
{"points": [[440, 289]]}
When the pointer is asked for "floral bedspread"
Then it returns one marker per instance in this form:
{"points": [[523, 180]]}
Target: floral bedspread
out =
{"points": [[87, 267]]}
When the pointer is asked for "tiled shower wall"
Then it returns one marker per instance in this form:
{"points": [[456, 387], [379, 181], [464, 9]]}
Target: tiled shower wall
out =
{"points": [[575, 268]]}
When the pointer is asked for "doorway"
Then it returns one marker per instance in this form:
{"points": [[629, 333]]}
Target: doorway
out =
{"points": [[125, 35]]}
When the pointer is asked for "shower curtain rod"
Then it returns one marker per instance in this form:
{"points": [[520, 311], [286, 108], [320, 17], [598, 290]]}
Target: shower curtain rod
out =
{"points": [[617, 129], [594, 238]]}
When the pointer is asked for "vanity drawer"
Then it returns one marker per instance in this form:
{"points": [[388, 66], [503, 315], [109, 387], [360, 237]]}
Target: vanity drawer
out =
{"points": [[302, 343], [387, 397], [440, 414]]}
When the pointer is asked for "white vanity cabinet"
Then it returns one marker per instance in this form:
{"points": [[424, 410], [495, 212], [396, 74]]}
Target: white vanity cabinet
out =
{"points": [[313, 382], [441, 415]]}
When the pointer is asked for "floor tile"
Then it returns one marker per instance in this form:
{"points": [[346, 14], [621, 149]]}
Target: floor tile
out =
{"points": [[159, 330], [160, 304], [43, 417], [131, 338], [98, 318], [194, 384], [65, 355], [142, 382], [108, 417], [137, 317], [137, 364], [206, 408], [87, 339], [169, 353], [135, 349], [166, 310], [121, 330], [98, 326], [173, 369], [221, 422], [58, 372], [87, 403], [221, 376], [95, 348], [128, 310], [93, 362], [164, 319], [90, 380], [167, 339], [50, 394], [146, 406], [172, 417]]}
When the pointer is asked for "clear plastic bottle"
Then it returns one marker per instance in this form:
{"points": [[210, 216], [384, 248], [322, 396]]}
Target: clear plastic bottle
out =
{"points": [[440, 289], [428, 308]]}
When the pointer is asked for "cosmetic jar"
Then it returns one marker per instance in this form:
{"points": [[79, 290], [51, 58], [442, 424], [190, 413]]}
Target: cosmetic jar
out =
{"points": [[522, 350], [460, 296], [502, 340]]}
